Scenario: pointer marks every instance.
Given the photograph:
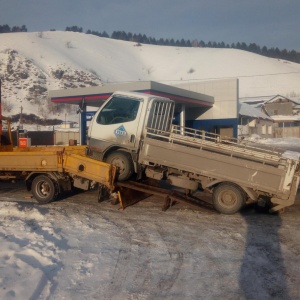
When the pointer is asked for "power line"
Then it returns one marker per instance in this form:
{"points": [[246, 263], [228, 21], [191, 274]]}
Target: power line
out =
{"points": [[213, 78], [230, 77]]}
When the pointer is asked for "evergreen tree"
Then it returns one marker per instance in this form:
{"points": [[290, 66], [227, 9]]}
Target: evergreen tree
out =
{"points": [[152, 41], [105, 34], [4, 29], [178, 44], [74, 29], [254, 48], [182, 43], [202, 44], [139, 38], [244, 46], [7, 29], [115, 35], [188, 43], [172, 42], [123, 36], [264, 51], [145, 39], [160, 42], [130, 36]]}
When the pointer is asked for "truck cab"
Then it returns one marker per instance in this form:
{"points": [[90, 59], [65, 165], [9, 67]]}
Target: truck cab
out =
{"points": [[117, 129]]}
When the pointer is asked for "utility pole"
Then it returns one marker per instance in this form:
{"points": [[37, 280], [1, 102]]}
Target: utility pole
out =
{"points": [[21, 118], [0, 110]]}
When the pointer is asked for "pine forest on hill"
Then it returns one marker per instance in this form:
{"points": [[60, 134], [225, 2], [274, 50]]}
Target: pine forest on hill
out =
{"points": [[290, 55]]}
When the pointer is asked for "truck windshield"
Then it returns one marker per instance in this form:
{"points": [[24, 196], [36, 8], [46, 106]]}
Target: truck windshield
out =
{"points": [[119, 110]]}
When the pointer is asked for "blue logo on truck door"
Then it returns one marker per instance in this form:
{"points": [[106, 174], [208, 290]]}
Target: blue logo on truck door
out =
{"points": [[120, 131]]}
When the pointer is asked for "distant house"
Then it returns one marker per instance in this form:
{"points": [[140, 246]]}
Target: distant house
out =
{"points": [[284, 112], [254, 121]]}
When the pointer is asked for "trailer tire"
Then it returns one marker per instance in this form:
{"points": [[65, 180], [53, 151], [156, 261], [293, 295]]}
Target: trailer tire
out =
{"points": [[228, 198], [44, 189], [124, 164]]}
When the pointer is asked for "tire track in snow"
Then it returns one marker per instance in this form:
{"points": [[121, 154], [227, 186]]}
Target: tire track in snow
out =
{"points": [[137, 274], [173, 264], [121, 270], [155, 265], [141, 285]]}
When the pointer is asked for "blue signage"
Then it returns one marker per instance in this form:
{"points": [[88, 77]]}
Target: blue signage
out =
{"points": [[120, 131], [89, 115]]}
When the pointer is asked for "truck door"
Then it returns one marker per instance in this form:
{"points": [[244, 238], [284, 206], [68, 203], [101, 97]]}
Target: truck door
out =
{"points": [[116, 123]]}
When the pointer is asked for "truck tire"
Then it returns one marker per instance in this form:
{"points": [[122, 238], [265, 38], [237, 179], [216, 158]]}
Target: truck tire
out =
{"points": [[228, 198], [124, 164], [43, 189]]}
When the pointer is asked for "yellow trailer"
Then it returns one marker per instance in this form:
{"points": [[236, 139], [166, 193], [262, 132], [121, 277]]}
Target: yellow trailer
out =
{"points": [[49, 171]]}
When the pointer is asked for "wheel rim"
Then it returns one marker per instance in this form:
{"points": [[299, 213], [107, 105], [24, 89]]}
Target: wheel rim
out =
{"points": [[43, 189], [227, 198]]}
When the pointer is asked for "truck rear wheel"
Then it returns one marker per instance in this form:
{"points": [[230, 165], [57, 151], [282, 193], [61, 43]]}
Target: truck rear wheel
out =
{"points": [[43, 189], [228, 198], [123, 162]]}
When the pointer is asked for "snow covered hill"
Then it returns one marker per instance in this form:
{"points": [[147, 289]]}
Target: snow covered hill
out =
{"points": [[33, 63]]}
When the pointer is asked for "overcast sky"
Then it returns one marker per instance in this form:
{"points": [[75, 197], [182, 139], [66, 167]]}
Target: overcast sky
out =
{"points": [[271, 23]]}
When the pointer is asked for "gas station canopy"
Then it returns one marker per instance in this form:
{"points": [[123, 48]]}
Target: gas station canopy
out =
{"points": [[95, 96]]}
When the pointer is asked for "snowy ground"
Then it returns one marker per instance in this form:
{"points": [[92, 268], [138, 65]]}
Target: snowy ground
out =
{"points": [[289, 143], [74, 250]]}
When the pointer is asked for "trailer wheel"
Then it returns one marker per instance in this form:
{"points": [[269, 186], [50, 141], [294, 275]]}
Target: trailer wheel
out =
{"points": [[228, 198], [124, 164], [43, 189]]}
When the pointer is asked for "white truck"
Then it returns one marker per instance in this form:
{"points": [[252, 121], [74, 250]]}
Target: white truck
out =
{"points": [[134, 132]]}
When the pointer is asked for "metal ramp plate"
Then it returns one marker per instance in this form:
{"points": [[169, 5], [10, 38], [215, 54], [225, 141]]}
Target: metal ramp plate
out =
{"points": [[131, 192]]}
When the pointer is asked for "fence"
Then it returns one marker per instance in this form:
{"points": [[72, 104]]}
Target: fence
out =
{"points": [[63, 137], [38, 138], [281, 132], [48, 138]]}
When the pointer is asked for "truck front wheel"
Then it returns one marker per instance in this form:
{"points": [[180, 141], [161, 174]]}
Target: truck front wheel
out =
{"points": [[43, 189], [228, 198], [123, 162]]}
